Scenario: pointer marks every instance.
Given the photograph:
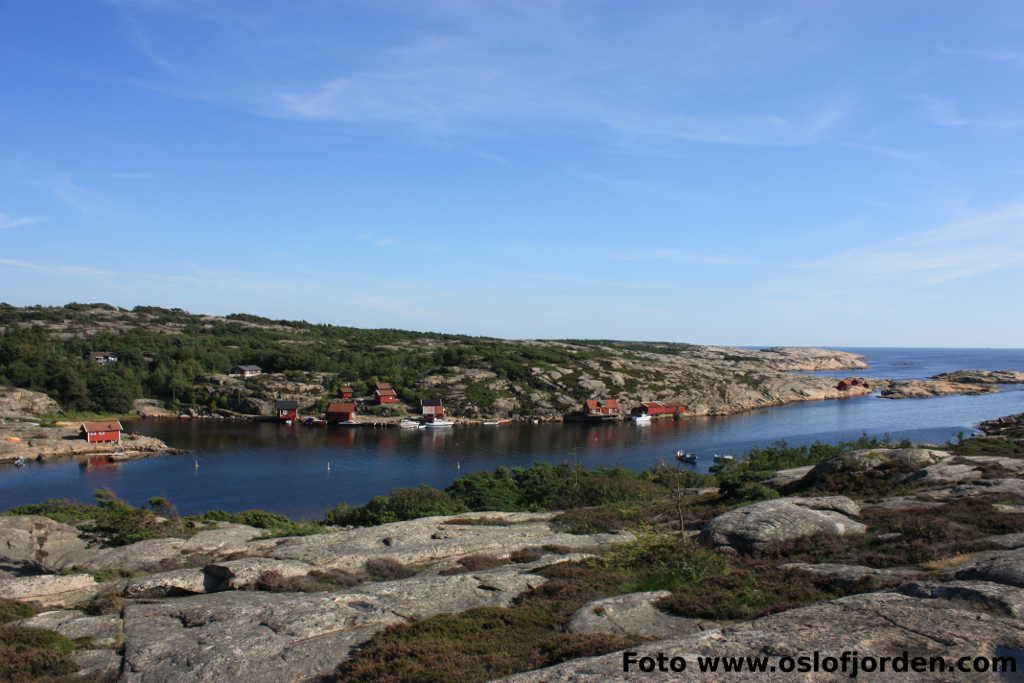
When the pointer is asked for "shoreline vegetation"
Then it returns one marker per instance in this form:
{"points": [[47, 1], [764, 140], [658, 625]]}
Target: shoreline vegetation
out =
{"points": [[572, 562]]}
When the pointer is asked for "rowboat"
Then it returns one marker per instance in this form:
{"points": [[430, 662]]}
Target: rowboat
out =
{"points": [[683, 456]]}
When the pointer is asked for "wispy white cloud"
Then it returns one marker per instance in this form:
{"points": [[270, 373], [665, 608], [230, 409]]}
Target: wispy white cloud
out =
{"points": [[53, 268], [8, 221], [682, 73], [987, 242], [946, 112]]}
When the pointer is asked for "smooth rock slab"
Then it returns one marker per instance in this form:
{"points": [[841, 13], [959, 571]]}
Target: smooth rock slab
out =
{"points": [[33, 540], [634, 614], [878, 624], [103, 631], [753, 528], [850, 574], [1007, 567], [993, 597], [50, 590], [247, 636], [221, 576]]}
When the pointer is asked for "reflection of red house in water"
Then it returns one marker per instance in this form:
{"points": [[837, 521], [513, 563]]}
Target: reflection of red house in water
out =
{"points": [[287, 410], [656, 408], [602, 408], [341, 412], [385, 393], [97, 432]]}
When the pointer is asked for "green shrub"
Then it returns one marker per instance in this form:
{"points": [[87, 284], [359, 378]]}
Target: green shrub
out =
{"points": [[387, 569], [402, 504], [32, 654], [12, 610]]}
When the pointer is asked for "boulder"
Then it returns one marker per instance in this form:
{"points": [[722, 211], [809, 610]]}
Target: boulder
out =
{"points": [[875, 624], [36, 541], [895, 461], [982, 595], [1006, 568], [25, 403], [753, 528], [50, 590], [634, 614], [151, 555]]}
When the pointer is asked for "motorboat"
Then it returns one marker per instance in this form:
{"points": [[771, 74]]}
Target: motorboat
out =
{"points": [[409, 424], [19, 462], [642, 419], [495, 423], [439, 423], [683, 456], [723, 458]]}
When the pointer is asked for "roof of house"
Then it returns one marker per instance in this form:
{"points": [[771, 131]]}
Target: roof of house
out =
{"points": [[384, 385], [595, 404], [114, 426], [430, 402], [341, 407], [345, 387], [286, 405], [386, 392], [101, 354], [249, 367]]}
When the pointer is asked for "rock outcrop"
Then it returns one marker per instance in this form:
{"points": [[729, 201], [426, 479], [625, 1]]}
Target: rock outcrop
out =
{"points": [[756, 527], [25, 403], [929, 388], [634, 614]]}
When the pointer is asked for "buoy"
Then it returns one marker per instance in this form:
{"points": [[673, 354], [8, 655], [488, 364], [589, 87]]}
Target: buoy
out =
{"points": [[195, 461], [458, 466], [328, 466]]}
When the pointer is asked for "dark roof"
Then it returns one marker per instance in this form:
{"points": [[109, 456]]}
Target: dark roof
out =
{"points": [[430, 402], [249, 367], [101, 354], [286, 405]]}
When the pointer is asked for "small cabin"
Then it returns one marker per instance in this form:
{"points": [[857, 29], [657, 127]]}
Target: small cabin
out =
{"points": [[99, 432], [602, 407], [346, 391], [101, 356], [287, 410], [656, 408], [432, 407], [341, 411], [247, 370], [385, 393]]}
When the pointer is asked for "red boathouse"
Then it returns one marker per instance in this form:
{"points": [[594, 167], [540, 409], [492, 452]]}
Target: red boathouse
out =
{"points": [[287, 410], [341, 412], [432, 407], [98, 432], [598, 408], [385, 393], [656, 408]]}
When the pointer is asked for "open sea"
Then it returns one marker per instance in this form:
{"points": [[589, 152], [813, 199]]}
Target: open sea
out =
{"points": [[301, 471]]}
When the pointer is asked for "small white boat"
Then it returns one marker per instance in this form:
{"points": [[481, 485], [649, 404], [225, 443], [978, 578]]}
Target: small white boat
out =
{"points": [[439, 423], [19, 462], [683, 456], [495, 423], [723, 458], [409, 424], [348, 423], [642, 419]]}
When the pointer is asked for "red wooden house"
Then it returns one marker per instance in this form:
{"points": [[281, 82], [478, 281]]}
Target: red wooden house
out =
{"points": [[96, 432], [346, 391], [602, 408], [656, 408], [341, 411], [287, 410], [385, 393], [432, 407]]}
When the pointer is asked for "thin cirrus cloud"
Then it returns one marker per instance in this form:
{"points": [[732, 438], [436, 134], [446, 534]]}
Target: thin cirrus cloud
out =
{"points": [[7, 221], [450, 68], [987, 242], [53, 268]]}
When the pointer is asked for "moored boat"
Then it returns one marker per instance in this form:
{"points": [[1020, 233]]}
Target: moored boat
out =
{"points": [[723, 458], [683, 456], [439, 423], [642, 419]]}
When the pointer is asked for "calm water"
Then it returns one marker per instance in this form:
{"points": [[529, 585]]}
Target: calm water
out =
{"points": [[285, 468]]}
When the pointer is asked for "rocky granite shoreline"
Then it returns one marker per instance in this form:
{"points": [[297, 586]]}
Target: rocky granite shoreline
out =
{"points": [[910, 548], [32, 442]]}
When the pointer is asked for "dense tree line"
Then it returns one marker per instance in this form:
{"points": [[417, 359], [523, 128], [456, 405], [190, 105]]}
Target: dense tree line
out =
{"points": [[163, 353]]}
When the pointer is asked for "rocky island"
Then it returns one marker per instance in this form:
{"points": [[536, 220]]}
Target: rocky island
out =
{"points": [[873, 547]]}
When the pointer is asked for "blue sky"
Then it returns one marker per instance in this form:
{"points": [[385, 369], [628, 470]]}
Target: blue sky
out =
{"points": [[734, 173]]}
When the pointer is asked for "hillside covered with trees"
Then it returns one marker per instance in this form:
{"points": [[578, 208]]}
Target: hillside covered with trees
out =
{"points": [[182, 359]]}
